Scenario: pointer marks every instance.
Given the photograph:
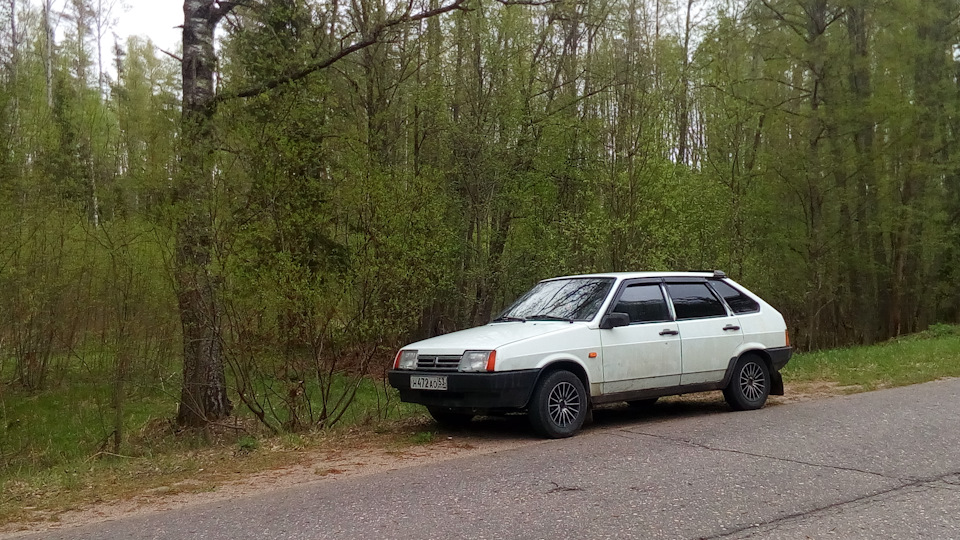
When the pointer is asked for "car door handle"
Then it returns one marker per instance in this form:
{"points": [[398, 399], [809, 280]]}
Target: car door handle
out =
{"points": [[669, 332], [731, 327]]}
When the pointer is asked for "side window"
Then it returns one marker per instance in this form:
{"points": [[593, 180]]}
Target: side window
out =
{"points": [[644, 303], [738, 302], [695, 301]]}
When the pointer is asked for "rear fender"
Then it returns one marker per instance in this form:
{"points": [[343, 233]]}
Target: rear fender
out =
{"points": [[776, 379]]}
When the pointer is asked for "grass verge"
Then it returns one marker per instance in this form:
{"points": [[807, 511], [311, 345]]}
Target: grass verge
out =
{"points": [[926, 356], [52, 447], [57, 448], [187, 463]]}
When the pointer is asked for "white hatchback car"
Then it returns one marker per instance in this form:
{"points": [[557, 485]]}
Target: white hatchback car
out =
{"points": [[577, 341]]}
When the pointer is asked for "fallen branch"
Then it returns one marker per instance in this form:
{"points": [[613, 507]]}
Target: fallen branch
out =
{"points": [[104, 453]]}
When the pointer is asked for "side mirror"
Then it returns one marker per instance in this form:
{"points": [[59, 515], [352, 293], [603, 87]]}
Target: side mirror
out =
{"points": [[614, 320]]}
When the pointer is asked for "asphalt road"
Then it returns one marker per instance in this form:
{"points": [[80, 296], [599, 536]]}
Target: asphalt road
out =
{"points": [[877, 465]]}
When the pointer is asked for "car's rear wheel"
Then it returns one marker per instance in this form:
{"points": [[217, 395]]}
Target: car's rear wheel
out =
{"points": [[750, 384], [450, 418], [559, 405]]}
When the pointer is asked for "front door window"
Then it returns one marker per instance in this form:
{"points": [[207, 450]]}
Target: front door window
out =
{"points": [[646, 353]]}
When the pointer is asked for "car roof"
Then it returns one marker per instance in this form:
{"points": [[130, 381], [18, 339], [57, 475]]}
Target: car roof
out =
{"points": [[633, 275]]}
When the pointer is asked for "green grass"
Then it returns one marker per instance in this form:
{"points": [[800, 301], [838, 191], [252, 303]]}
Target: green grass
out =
{"points": [[373, 402], [423, 437], [56, 452], [917, 358], [74, 420], [70, 422]]}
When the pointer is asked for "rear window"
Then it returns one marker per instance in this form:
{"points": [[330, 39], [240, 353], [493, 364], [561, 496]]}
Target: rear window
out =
{"points": [[738, 302], [694, 301]]}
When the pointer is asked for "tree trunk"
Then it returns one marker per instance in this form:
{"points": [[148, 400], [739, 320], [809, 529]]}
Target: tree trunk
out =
{"points": [[102, 25], [204, 395], [14, 39], [48, 50], [864, 276], [819, 298], [14, 74], [683, 128]]}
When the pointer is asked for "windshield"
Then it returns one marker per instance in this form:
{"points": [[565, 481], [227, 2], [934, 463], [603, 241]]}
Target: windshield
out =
{"points": [[575, 299]]}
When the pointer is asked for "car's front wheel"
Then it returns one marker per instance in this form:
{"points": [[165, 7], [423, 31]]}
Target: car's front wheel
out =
{"points": [[750, 384], [559, 405], [450, 418]]}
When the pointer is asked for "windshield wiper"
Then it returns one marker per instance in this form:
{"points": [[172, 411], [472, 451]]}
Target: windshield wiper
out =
{"points": [[545, 317], [509, 319]]}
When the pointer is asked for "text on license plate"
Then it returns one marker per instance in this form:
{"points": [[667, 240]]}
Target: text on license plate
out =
{"points": [[419, 382]]}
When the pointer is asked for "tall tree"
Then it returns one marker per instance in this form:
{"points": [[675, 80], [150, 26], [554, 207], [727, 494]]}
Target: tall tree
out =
{"points": [[13, 68], [14, 45], [48, 44], [204, 394]]}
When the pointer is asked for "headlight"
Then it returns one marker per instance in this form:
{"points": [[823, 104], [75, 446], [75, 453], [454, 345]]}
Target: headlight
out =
{"points": [[406, 360], [478, 361]]}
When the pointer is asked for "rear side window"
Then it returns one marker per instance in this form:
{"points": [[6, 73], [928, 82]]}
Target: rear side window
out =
{"points": [[643, 303], [695, 301], [738, 302]]}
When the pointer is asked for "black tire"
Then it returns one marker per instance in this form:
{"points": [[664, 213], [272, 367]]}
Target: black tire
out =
{"points": [[450, 418], [750, 384], [642, 403], [559, 405]]}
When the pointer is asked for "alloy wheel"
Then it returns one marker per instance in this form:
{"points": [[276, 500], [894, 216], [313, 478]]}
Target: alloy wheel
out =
{"points": [[563, 404], [752, 381]]}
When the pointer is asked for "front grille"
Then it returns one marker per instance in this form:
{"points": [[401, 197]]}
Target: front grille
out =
{"points": [[433, 362]]}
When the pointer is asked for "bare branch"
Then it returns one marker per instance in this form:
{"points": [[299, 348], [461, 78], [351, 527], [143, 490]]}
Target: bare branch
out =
{"points": [[526, 2], [371, 37], [794, 26], [219, 10], [171, 55]]}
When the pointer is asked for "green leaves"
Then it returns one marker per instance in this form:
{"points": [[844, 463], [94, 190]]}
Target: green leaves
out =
{"points": [[419, 184]]}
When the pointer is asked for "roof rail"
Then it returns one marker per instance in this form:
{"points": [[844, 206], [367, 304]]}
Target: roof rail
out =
{"points": [[716, 273]]}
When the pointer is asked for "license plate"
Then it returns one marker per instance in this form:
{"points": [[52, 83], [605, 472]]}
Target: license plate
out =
{"points": [[427, 383]]}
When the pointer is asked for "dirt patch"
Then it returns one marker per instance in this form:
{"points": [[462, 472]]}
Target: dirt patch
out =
{"points": [[353, 457], [811, 390]]}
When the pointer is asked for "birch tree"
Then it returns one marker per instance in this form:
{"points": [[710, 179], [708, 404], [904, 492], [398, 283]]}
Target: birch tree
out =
{"points": [[204, 394]]}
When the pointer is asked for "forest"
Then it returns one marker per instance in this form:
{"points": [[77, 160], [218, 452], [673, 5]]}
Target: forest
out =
{"points": [[329, 181]]}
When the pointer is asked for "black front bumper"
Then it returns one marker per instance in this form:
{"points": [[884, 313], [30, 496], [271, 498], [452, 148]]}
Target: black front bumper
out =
{"points": [[491, 391], [779, 356]]}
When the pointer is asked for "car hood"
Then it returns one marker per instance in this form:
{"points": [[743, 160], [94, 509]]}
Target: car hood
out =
{"points": [[489, 337]]}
